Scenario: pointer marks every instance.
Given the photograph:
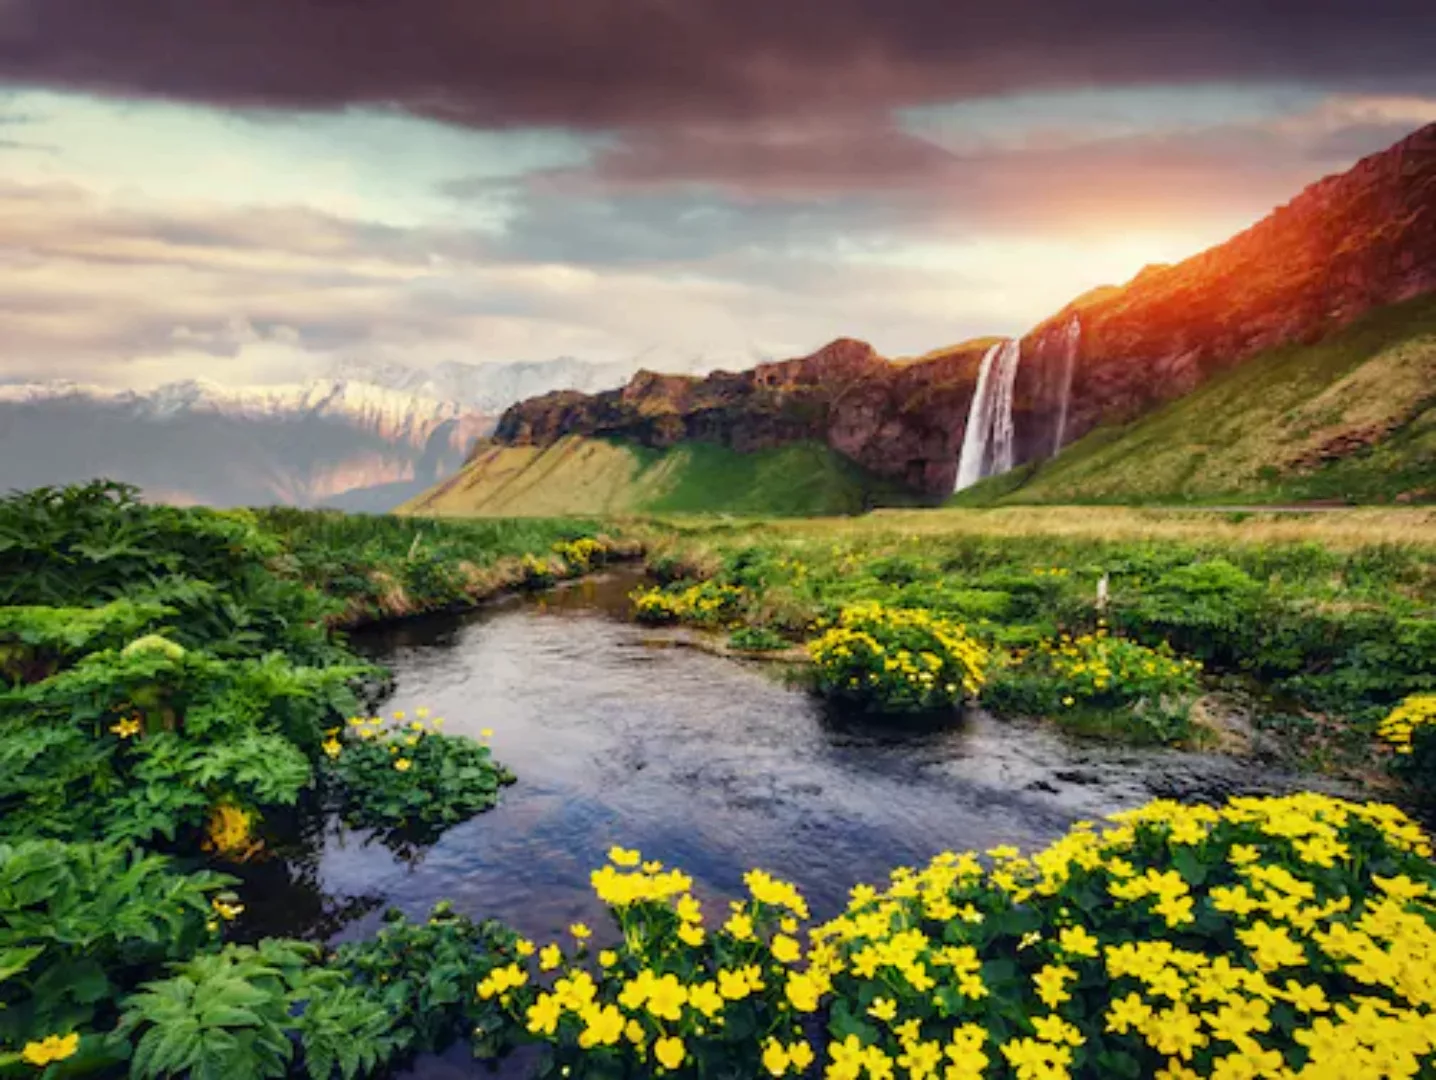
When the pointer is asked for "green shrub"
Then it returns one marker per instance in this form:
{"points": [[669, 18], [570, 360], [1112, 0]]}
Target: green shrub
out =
{"points": [[424, 974], [1073, 678], [405, 774], [894, 660], [81, 924], [756, 639]]}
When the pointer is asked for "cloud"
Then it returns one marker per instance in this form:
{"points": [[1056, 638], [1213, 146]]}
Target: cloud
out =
{"points": [[589, 65]]}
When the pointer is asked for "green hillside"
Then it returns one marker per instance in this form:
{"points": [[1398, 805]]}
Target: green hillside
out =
{"points": [[1352, 417], [599, 476]]}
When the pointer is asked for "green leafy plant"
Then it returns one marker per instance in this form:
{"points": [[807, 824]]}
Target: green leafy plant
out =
{"points": [[424, 975], [220, 1017], [1099, 674], [81, 923], [756, 639], [405, 774]]}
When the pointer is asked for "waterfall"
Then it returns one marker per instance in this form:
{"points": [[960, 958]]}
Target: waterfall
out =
{"points": [[987, 444], [1069, 346]]}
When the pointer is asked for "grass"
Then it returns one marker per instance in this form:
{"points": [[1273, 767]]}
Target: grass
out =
{"points": [[1242, 437], [605, 477], [383, 566]]}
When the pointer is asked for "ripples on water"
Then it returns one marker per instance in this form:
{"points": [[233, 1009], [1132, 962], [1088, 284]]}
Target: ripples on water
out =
{"points": [[620, 734]]}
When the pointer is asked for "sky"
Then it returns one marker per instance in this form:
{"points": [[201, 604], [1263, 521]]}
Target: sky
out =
{"points": [[249, 191]]}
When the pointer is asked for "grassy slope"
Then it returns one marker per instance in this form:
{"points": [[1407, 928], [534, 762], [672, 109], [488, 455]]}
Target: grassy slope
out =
{"points": [[1235, 438], [596, 476]]}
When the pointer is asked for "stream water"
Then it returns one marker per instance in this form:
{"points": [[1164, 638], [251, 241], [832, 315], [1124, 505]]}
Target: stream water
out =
{"points": [[620, 734]]}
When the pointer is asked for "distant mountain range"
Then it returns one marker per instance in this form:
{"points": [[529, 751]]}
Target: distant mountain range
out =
{"points": [[367, 437], [492, 388]]}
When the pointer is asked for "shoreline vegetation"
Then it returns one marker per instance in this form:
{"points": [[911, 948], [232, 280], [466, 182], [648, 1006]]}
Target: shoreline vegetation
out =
{"points": [[172, 676]]}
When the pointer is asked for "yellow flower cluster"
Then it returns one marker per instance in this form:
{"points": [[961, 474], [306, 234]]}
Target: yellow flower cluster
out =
{"points": [[230, 832], [1270, 937], [580, 554], [705, 602], [1099, 662], [898, 658], [1416, 713], [399, 734]]}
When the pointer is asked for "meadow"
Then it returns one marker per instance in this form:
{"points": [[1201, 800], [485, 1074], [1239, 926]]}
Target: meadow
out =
{"points": [[177, 681]]}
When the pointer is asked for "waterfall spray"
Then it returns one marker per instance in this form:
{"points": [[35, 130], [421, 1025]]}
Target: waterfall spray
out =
{"points": [[988, 442], [1069, 369]]}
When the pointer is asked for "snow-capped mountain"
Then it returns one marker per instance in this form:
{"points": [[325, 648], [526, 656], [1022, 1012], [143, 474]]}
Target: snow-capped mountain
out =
{"points": [[330, 441], [493, 387], [366, 437]]}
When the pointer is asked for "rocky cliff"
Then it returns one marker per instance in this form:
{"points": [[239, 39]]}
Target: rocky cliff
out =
{"points": [[902, 422], [1345, 245]]}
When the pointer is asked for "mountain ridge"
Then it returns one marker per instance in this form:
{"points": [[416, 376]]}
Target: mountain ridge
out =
{"points": [[1346, 245]]}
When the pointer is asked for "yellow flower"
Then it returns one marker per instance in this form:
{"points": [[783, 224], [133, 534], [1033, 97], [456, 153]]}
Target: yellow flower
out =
{"points": [[226, 911], [883, 1009], [550, 957], [543, 1015], [690, 934], [487, 733], [623, 857], [1076, 941], [580, 932], [786, 950], [740, 926], [399, 714], [607, 958], [524, 947], [670, 1052], [332, 747], [775, 1057], [126, 728], [50, 1048], [402, 764]]}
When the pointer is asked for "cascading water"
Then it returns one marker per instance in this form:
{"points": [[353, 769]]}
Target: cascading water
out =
{"points": [[1069, 346], [988, 442]]}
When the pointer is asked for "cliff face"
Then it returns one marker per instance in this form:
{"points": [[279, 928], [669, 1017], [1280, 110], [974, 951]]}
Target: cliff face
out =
{"points": [[1345, 245], [901, 421]]}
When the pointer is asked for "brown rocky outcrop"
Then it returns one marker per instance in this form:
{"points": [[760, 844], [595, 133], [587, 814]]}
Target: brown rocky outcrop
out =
{"points": [[900, 421], [1345, 245]]}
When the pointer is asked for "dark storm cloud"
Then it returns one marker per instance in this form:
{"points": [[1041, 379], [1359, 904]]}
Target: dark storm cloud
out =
{"points": [[613, 63]]}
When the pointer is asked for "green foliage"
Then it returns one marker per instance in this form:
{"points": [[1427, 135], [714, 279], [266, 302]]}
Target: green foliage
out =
{"points": [[1344, 632], [34, 641], [756, 639], [82, 923], [1074, 678], [346, 1032], [220, 1017], [407, 775], [424, 974], [895, 660]]}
